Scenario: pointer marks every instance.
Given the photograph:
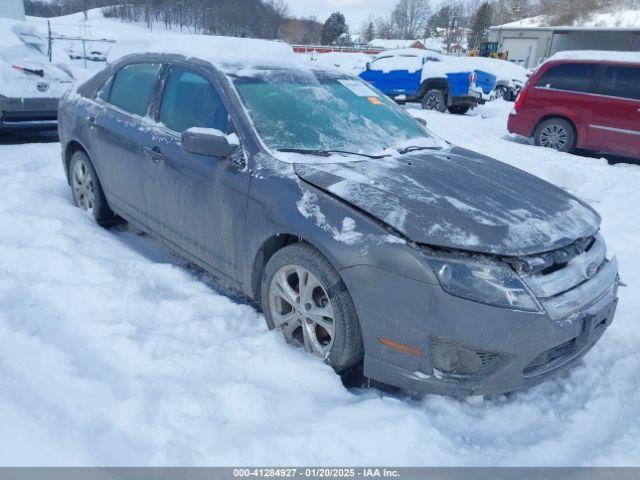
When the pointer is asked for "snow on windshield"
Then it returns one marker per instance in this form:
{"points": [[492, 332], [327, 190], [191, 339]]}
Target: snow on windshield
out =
{"points": [[316, 110]]}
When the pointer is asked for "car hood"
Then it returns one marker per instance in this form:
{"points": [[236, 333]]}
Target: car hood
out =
{"points": [[459, 199]]}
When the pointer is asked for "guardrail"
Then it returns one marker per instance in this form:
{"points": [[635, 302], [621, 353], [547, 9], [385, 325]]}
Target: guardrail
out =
{"points": [[335, 48]]}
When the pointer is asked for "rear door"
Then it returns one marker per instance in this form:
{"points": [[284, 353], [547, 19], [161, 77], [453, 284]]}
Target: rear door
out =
{"points": [[563, 90], [612, 114], [196, 202], [121, 130]]}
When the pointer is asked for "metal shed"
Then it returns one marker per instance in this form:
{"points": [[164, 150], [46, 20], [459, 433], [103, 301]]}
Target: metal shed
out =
{"points": [[528, 46], [12, 9]]}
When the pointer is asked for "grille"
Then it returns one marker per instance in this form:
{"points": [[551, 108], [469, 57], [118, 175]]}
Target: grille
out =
{"points": [[569, 279]]}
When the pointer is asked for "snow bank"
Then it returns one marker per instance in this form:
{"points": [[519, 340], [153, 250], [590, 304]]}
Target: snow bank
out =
{"points": [[114, 352]]}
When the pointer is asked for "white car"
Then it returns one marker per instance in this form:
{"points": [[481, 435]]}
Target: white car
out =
{"points": [[30, 86]]}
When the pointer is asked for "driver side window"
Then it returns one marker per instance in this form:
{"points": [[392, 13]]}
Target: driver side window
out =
{"points": [[189, 100]]}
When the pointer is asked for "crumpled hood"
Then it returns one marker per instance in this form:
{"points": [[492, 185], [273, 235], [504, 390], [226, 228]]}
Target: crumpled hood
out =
{"points": [[459, 199]]}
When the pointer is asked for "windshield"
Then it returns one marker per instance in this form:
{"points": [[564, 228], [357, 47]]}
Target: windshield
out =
{"points": [[315, 110]]}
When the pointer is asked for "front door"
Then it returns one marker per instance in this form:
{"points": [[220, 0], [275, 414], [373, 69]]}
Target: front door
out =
{"points": [[612, 115], [197, 202]]}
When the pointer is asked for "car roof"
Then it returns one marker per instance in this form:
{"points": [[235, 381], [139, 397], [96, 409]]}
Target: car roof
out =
{"points": [[596, 56], [223, 52]]}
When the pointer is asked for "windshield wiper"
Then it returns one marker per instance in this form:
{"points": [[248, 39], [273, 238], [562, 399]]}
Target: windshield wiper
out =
{"points": [[327, 153], [32, 71], [416, 149]]}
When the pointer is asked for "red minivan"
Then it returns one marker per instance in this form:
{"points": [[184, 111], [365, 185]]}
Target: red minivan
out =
{"points": [[585, 100]]}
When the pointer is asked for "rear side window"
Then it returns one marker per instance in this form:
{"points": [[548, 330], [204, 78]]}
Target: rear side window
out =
{"points": [[133, 87], [190, 100], [105, 90], [575, 77], [621, 81]]}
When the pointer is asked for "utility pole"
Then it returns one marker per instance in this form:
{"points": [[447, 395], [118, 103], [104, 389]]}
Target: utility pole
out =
{"points": [[50, 49]]}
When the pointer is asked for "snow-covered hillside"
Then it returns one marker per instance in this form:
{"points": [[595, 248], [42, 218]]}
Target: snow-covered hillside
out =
{"points": [[617, 18], [114, 352]]}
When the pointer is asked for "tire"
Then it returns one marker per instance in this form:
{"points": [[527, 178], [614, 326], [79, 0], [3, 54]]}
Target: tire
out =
{"points": [[434, 100], [502, 92], [556, 133], [339, 341], [459, 109], [511, 95], [87, 191]]}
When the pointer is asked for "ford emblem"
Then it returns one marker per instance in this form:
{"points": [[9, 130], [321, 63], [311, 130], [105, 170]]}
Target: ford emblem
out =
{"points": [[591, 271], [42, 86]]}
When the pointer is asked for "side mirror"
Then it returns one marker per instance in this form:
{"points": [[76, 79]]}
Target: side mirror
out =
{"points": [[368, 66], [421, 121], [209, 142]]}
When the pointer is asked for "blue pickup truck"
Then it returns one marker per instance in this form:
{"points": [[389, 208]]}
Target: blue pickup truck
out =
{"points": [[436, 81]]}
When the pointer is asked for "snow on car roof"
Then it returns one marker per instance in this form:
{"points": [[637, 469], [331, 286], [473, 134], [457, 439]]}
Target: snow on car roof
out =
{"points": [[11, 31], [217, 50], [598, 56], [408, 52]]}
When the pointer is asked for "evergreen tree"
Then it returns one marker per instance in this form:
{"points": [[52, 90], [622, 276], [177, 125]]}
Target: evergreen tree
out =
{"points": [[482, 20], [335, 26], [369, 33]]}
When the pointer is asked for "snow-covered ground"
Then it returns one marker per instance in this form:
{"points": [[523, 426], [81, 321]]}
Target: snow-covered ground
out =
{"points": [[114, 352]]}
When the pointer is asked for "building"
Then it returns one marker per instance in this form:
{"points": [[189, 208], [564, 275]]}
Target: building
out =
{"points": [[12, 9], [530, 45], [393, 44]]}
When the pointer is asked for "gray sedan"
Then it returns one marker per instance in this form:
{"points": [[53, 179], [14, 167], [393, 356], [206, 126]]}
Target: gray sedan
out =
{"points": [[364, 239]]}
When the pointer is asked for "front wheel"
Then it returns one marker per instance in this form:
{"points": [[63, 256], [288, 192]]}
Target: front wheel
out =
{"points": [[304, 297], [556, 133], [434, 100], [87, 190], [458, 109]]}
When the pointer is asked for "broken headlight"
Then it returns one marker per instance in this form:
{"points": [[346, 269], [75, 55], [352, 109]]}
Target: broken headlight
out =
{"points": [[484, 281]]}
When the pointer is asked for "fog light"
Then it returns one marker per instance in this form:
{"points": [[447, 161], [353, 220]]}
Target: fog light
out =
{"points": [[457, 360]]}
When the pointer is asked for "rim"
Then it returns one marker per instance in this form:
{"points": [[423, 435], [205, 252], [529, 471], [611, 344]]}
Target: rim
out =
{"points": [[554, 136], [82, 183], [301, 310], [433, 102]]}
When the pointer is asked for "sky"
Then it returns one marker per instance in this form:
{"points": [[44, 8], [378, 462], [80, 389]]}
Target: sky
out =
{"points": [[355, 11]]}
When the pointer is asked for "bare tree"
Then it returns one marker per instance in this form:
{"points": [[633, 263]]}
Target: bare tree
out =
{"points": [[409, 18]]}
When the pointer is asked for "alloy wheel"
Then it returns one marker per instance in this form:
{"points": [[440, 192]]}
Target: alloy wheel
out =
{"points": [[301, 309], [554, 136], [433, 103], [82, 183]]}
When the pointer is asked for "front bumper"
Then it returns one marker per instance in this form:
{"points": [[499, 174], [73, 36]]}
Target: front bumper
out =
{"points": [[28, 113], [524, 348]]}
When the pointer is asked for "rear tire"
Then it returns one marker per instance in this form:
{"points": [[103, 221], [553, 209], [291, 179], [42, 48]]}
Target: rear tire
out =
{"points": [[434, 100], [459, 109], [556, 133], [303, 296], [87, 191]]}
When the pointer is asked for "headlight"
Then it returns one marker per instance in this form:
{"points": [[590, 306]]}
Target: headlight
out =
{"points": [[485, 282]]}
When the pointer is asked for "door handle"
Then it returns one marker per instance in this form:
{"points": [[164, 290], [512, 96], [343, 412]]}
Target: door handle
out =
{"points": [[155, 154]]}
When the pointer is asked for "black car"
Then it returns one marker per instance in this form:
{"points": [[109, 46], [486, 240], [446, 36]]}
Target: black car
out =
{"points": [[363, 237]]}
